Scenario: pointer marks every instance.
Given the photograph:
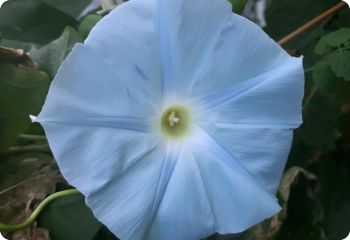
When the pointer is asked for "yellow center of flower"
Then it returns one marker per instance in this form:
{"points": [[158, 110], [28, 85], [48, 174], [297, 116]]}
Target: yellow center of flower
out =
{"points": [[175, 121]]}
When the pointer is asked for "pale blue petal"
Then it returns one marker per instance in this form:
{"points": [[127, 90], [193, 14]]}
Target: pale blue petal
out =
{"points": [[261, 150], [123, 174], [127, 40], [184, 211], [91, 157], [237, 200], [128, 203], [209, 192], [85, 89], [244, 53], [274, 100], [188, 33]]}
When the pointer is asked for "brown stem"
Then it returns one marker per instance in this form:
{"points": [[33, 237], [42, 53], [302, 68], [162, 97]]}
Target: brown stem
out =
{"points": [[16, 56], [311, 23]]}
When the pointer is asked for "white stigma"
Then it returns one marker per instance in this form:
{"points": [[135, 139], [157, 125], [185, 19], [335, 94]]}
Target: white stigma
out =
{"points": [[173, 120]]}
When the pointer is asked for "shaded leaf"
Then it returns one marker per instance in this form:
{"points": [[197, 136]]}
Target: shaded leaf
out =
{"points": [[238, 5], [70, 7], [334, 175], [104, 234], [325, 79], [340, 63], [88, 23], [32, 21], [22, 92], [320, 125], [51, 55], [333, 40], [323, 76], [69, 218]]}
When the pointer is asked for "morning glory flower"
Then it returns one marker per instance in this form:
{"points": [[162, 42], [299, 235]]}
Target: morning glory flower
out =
{"points": [[175, 119]]}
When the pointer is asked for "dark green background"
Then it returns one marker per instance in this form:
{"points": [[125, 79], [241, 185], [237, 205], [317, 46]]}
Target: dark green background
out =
{"points": [[315, 190]]}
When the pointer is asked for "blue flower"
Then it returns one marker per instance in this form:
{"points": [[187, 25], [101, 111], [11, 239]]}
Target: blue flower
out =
{"points": [[175, 119]]}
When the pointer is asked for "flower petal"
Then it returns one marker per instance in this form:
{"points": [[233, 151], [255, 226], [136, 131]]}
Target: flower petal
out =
{"points": [[209, 192], [128, 203], [90, 157], [86, 88], [127, 40], [250, 78], [188, 33], [260, 150], [123, 174], [242, 51], [275, 99], [184, 211]]}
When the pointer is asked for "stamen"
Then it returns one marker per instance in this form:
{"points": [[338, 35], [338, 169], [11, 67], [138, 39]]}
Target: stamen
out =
{"points": [[173, 120]]}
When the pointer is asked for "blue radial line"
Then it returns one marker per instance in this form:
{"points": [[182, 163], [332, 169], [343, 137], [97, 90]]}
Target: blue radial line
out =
{"points": [[127, 123], [221, 97], [165, 52], [220, 152], [252, 125], [168, 167]]}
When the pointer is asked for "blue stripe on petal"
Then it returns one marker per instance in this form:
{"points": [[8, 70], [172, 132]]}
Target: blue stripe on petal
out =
{"points": [[124, 123], [237, 199], [85, 86], [184, 211], [271, 98], [187, 38], [127, 40], [276, 100], [262, 150]]}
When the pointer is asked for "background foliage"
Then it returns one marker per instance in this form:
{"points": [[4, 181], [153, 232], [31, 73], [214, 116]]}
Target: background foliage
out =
{"points": [[314, 192]]}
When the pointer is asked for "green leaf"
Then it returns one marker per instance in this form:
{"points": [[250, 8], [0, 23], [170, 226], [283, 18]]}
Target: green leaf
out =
{"points": [[238, 5], [323, 76], [325, 79], [334, 175], [333, 40], [70, 7], [22, 92], [69, 218], [32, 21], [88, 23], [51, 55], [320, 125], [340, 63]]}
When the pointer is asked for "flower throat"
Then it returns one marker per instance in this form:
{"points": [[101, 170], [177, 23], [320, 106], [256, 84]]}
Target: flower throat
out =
{"points": [[175, 121]]}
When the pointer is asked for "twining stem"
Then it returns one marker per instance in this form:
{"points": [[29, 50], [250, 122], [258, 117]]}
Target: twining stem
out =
{"points": [[34, 215], [308, 70], [311, 23], [33, 137], [310, 96], [37, 211], [31, 148]]}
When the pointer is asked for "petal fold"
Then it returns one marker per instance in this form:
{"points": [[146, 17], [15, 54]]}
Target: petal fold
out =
{"points": [[86, 88], [261, 150], [187, 38], [127, 40], [210, 192]]}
